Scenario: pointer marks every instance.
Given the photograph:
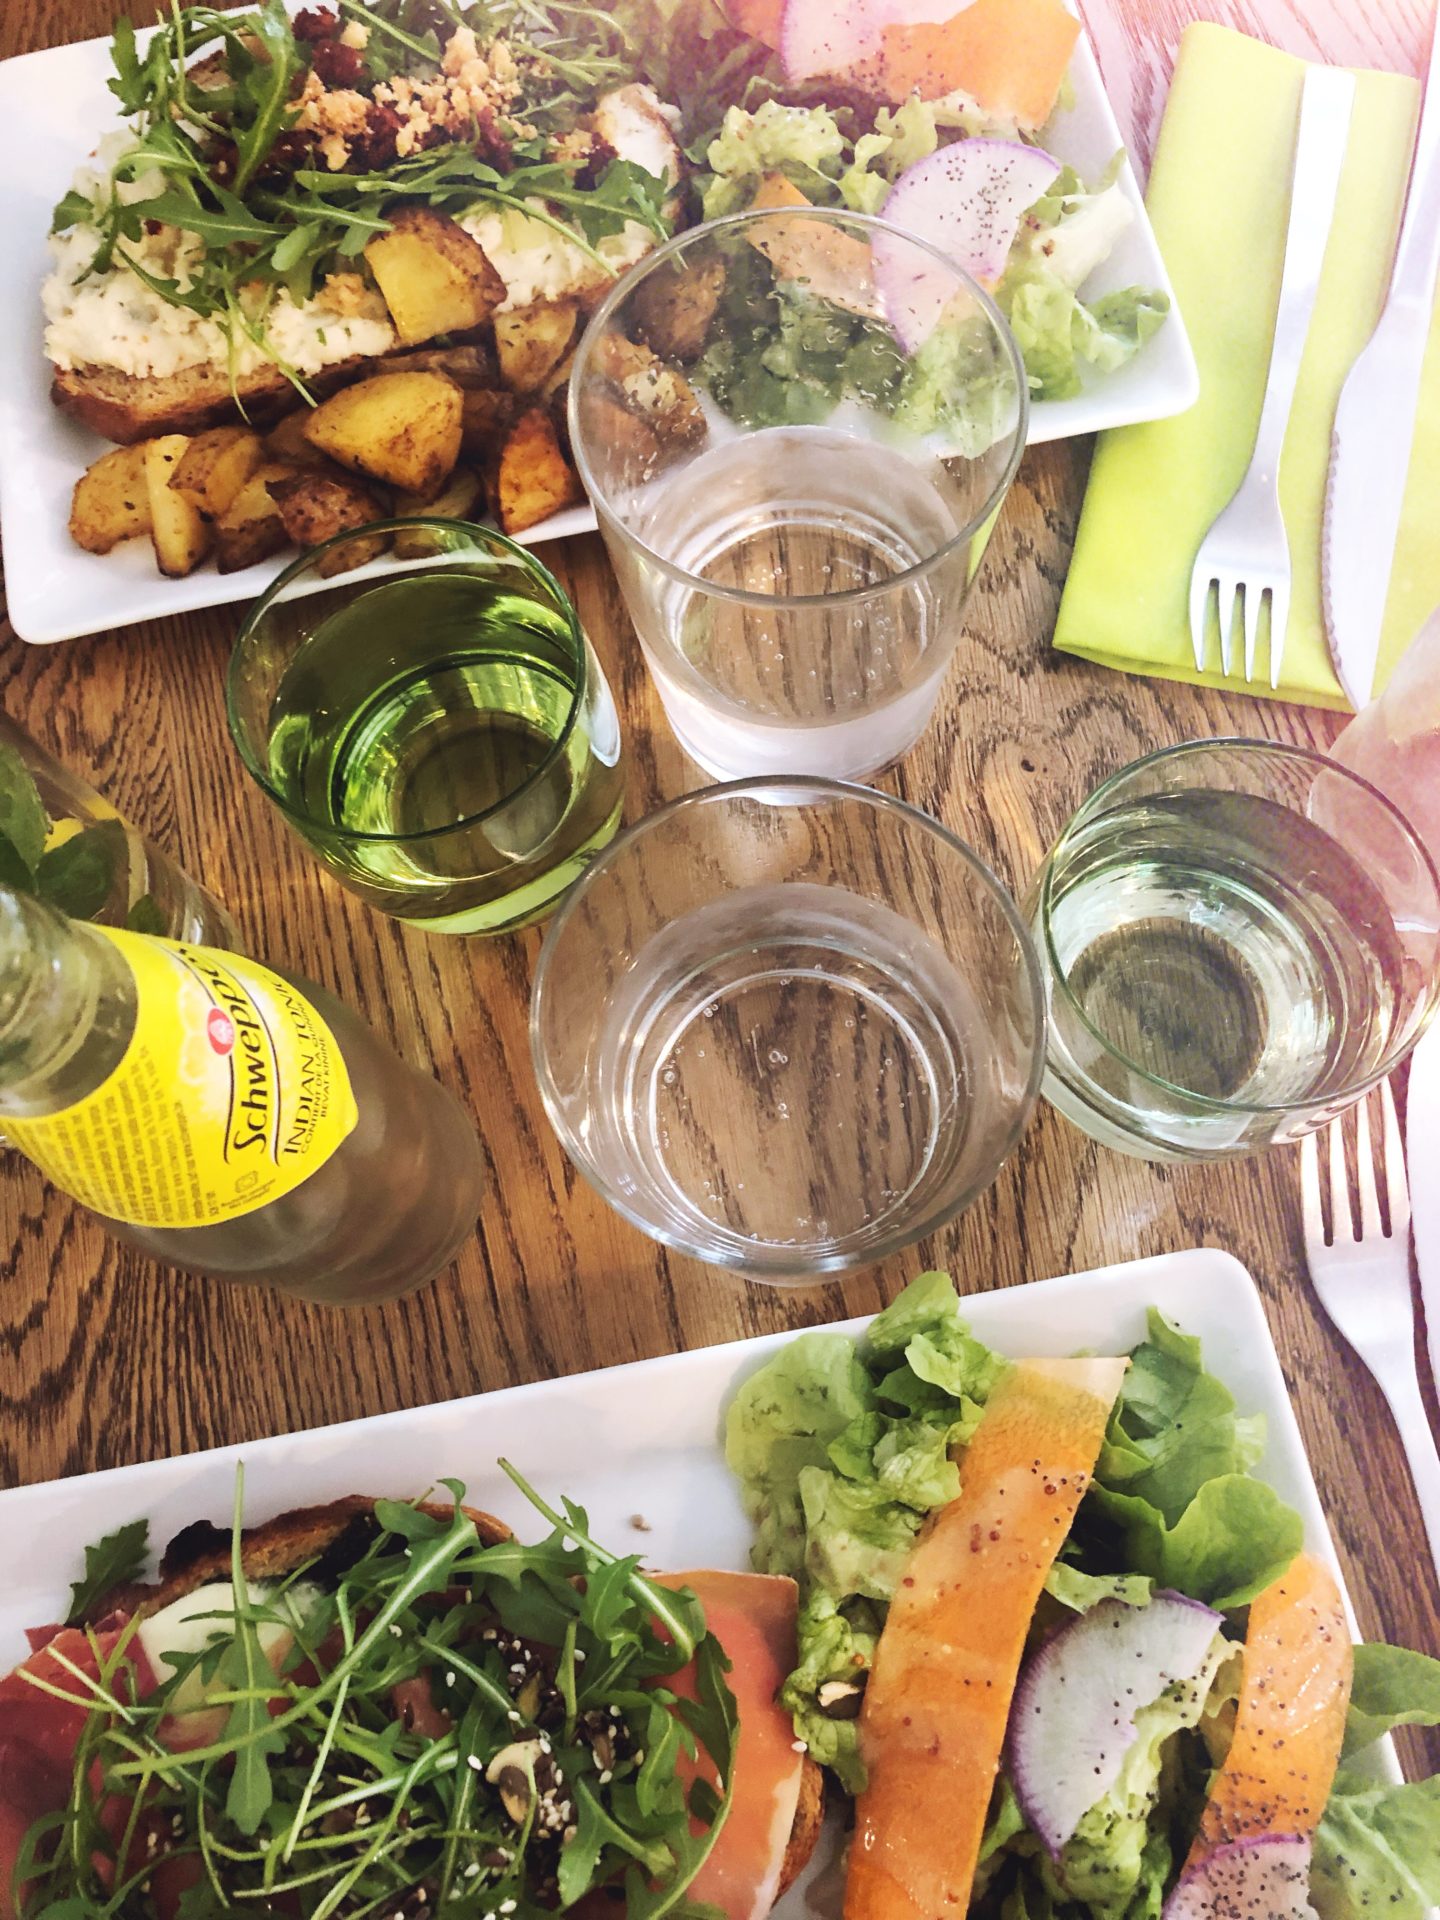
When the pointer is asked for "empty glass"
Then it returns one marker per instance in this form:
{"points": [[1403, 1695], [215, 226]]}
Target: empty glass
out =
{"points": [[788, 1026], [796, 428], [1239, 939]]}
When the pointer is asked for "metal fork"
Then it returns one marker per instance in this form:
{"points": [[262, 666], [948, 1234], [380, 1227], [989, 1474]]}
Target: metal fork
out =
{"points": [[1246, 554], [1362, 1275]]}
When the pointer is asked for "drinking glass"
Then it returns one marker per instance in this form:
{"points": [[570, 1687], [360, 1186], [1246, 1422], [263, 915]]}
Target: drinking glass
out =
{"points": [[442, 737], [797, 429], [1239, 938], [788, 1026]]}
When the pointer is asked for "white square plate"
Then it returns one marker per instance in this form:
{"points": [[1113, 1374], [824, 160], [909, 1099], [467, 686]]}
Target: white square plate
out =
{"points": [[636, 1442], [54, 106]]}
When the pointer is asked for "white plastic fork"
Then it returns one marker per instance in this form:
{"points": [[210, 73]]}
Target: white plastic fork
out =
{"points": [[1362, 1275], [1246, 554]]}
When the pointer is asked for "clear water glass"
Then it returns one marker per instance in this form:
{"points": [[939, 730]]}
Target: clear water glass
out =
{"points": [[788, 1026], [442, 736], [797, 429], [1239, 939]]}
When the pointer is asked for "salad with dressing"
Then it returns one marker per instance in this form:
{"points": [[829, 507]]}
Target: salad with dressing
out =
{"points": [[1062, 1645]]}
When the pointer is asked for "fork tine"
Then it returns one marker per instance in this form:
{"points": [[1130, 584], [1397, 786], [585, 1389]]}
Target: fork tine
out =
{"points": [[1252, 599], [1201, 582], [1311, 1211], [1339, 1186], [1227, 589], [1365, 1173], [1279, 624], [1395, 1180]]}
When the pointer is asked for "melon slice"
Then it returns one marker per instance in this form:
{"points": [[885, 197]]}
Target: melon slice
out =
{"points": [[933, 1724], [825, 259], [752, 1615], [1290, 1721], [1009, 55]]}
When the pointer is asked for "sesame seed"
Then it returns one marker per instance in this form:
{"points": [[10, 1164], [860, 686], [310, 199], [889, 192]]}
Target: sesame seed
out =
{"points": [[472, 1869], [508, 1906], [606, 1776], [799, 1746], [579, 1656], [449, 1679], [513, 1717], [474, 1760], [397, 1630]]}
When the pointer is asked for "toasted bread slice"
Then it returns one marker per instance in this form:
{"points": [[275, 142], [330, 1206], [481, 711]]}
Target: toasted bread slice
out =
{"points": [[335, 1535], [805, 1829]]}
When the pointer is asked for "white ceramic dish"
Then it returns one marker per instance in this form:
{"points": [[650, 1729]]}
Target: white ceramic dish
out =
{"points": [[635, 1444], [54, 107]]}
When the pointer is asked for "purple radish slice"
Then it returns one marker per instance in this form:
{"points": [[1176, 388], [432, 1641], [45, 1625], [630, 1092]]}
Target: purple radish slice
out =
{"points": [[1073, 1717], [1266, 1877], [819, 37], [968, 201]]}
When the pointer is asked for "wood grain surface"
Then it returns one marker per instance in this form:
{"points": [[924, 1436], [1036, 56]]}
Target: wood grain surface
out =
{"points": [[105, 1359]]}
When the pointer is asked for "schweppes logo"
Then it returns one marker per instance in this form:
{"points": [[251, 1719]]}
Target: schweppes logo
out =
{"points": [[253, 1121]]}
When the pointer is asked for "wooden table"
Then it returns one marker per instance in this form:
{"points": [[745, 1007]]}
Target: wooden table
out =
{"points": [[104, 1358]]}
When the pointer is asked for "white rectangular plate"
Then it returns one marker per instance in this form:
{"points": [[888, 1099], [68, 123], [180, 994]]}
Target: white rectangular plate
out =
{"points": [[635, 1443], [54, 107]]}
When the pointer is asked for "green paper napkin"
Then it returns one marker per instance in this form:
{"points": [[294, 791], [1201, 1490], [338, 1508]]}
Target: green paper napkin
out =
{"points": [[1219, 204]]}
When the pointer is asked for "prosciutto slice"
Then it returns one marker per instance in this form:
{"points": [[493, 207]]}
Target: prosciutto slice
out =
{"points": [[752, 1615]]}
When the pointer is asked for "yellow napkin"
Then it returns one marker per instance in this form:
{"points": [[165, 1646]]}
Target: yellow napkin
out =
{"points": [[1219, 205]]}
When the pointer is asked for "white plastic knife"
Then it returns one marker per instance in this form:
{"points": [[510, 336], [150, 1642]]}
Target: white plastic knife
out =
{"points": [[1422, 1137], [1375, 425]]}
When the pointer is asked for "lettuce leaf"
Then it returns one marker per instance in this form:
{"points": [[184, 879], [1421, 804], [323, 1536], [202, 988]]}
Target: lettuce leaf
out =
{"points": [[1377, 1851], [1393, 1687], [1059, 335], [803, 143]]}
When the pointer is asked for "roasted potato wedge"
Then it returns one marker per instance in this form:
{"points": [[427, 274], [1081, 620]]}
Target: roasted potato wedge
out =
{"points": [[632, 447], [216, 465], [531, 341], [179, 531], [287, 440], [402, 428], [251, 528], [316, 506], [471, 365], [674, 305], [534, 478], [461, 498], [111, 502], [554, 387], [484, 417], [434, 277], [660, 394]]}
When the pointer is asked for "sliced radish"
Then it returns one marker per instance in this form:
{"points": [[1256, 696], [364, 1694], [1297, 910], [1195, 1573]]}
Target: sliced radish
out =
{"points": [[1264, 1878], [1073, 1720], [968, 200], [838, 36]]}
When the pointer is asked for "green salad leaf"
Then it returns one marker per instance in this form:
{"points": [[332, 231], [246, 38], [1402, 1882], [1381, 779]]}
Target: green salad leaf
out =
{"points": [[1377, 1851], [1059, 335], [1393, 1687], [1173, 1496], [109, 1563]]}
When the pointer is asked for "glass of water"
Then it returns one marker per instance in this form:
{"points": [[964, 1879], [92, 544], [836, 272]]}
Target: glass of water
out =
{"points": [[442, 737], [797, 428], [1239, 938], [788, 1026]]}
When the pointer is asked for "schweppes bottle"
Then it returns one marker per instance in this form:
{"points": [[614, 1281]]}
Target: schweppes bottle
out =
{"points": [[226, 1119]]}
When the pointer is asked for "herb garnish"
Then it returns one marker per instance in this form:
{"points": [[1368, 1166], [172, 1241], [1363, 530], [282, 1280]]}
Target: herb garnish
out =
{"points": [[214, 102], [328, 1792], [110, 1563]]}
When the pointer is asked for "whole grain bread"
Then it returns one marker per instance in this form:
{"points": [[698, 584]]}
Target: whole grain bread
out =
{"points": [[334, 1536]]}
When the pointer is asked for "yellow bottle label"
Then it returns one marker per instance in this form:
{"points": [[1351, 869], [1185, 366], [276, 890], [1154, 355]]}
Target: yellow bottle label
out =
{"points": [[231, 1092]]}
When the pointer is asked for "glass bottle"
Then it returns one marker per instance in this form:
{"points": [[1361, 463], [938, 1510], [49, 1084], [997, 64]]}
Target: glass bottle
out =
{"points": [[127, 1074], [88, 860]]}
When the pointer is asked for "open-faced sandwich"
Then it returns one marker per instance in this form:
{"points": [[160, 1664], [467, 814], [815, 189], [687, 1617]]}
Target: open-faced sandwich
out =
{"points": [[335, 263], [1061, 1646], [372, 1708]]}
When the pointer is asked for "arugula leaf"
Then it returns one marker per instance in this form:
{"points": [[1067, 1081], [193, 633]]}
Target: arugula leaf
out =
{"points": [[145, 916], [109, 1563], [244, 1667], [13, 871]]}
